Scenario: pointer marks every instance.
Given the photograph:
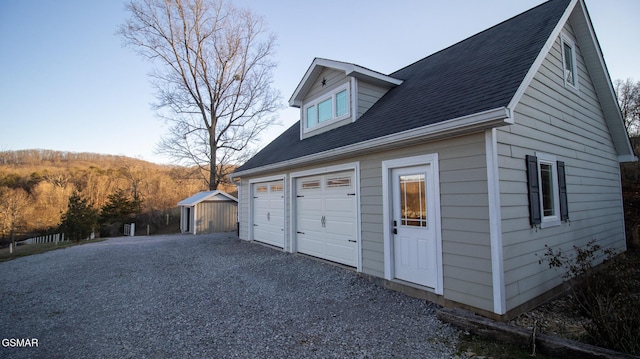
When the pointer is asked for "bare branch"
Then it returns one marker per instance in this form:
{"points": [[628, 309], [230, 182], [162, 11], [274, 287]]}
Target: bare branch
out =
{"points": [[213, 80]]}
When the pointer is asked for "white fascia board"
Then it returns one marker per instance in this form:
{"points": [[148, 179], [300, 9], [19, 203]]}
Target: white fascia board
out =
{"points": [[497, 117], [542, 55], [627, 158], [602, 81]]}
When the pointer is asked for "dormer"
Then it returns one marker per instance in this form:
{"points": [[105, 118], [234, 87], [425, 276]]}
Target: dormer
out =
{"points": [[333, 93]]}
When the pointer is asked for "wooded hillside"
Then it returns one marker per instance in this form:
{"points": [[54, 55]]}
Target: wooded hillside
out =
{"points": [[35, 186]]}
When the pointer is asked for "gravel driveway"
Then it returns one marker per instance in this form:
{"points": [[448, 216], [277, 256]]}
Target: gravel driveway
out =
{"points": [[208, 296]]}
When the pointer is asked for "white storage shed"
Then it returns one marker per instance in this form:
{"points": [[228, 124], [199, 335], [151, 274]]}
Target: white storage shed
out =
{"points": [[208, 212]]}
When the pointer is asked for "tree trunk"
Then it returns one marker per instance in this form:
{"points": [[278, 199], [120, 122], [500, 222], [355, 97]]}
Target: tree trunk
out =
{"points": [[213, 178]]}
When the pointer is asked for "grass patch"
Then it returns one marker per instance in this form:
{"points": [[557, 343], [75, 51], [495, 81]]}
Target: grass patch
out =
{"points": [[473, 346], [30, 249]]}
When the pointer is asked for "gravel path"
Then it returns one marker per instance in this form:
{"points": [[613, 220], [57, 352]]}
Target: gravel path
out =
{"points": [[209, 296]]}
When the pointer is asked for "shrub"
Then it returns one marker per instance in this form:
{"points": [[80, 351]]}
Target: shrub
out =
{"points": [[605, 294]]}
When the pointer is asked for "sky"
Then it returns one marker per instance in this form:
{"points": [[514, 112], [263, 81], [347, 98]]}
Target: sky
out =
{"points": [[68, 84]]}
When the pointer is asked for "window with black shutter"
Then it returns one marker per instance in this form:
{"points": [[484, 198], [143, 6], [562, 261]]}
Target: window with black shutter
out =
{"points": [[547, 189], [534, 191]]}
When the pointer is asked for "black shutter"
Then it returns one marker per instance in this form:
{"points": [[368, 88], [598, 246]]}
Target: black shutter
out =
{"points": [[535, 215], [562, 184]]}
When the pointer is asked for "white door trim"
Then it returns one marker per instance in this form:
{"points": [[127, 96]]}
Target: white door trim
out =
{"points": [[355, 167], [387, 205], [284, 211]]}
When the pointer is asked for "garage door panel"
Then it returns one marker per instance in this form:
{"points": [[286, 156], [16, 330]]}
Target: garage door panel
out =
{"points": [[343, 203], [309, 224], [326, 217], [268, 212]]}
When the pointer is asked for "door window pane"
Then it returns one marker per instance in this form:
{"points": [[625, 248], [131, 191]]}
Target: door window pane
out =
{"points": [[413, 201], [336, 182], [311, 184]]}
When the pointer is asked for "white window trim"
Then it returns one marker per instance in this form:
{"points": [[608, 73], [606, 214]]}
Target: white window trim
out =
{"points": [[322, 98], [565, 38], [549, 221]]}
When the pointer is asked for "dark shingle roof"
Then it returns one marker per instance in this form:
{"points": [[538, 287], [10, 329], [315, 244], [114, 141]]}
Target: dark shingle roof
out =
{"points": [[480, 73]]}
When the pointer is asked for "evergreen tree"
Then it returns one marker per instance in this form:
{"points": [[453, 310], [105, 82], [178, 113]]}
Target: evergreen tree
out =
{"points": [[79, 220], [119, 207]]}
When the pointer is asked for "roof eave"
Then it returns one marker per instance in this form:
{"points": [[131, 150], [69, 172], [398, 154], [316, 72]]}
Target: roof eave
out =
{"points": [[497, 117]]}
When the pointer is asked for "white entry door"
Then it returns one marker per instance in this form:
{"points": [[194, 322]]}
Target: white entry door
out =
{"points": [[414, 237], [268, 212]]}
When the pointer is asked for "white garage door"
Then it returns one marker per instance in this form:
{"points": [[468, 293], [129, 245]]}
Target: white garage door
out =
{"points": [[326, 217], [268, 212]]}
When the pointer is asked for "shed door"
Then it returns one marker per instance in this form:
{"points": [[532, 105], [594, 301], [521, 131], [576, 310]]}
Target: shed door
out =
{"points": [[326, 217], [268, 212]]}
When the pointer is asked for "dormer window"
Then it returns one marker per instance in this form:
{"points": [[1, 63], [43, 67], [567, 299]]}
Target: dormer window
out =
{"points": [[328, 108]]}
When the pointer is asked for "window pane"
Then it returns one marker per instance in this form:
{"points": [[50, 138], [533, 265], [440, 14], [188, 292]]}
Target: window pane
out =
{"points": [[276, 187], [568, 64], [546, 181], [324, 110], [413, 201], [310, 184], [311, 117], [339, 182], [341, 103]]}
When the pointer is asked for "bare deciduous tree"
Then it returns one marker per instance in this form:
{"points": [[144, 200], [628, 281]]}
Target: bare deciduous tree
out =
{"points": [[13, 211], [214, 77], [628, 93]]}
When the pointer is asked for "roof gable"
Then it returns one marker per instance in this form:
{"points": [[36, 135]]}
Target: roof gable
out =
{"points": [[481, 74], [349, 69], [594, 60], [207, 196]]}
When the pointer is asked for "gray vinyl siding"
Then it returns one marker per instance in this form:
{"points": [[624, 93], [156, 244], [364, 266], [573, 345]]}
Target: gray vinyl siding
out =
{"points": [[569, 125], [333, 79], [464, 213], [216, 216], [368, 94]]}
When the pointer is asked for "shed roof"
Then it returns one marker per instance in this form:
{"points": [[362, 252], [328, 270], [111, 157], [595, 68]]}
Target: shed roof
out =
{"points": [[207, 196]]}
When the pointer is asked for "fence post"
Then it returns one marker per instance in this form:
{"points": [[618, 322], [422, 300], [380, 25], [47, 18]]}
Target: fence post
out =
{"points": [[133, 229]]}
